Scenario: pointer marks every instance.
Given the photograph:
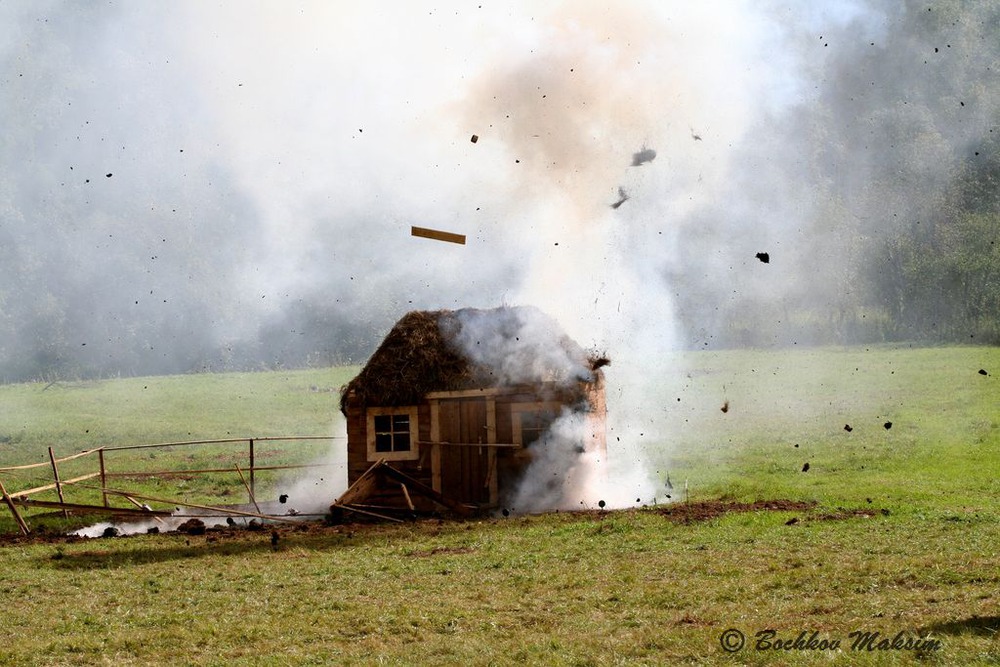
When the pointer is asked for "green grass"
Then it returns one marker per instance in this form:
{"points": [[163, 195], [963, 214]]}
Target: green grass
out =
{"points": [[76, 416], [789, 409], [72, 416], [625, 587]]}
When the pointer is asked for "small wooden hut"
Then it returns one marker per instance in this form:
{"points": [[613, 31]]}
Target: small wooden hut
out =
{"points": [[452, 406]]}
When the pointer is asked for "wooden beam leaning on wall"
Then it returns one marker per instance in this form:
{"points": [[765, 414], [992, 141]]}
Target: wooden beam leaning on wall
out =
{"points": [[364, 485]]}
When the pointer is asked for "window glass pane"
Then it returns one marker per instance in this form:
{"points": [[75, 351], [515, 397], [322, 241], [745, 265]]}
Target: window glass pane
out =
{"points": [[391, 432], [383, 442], [401, 442], [401, 423], [534, 424], [383, 423]]}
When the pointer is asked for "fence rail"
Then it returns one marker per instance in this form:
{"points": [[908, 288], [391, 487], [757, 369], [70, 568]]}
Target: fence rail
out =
{"points": [[15, 498]]}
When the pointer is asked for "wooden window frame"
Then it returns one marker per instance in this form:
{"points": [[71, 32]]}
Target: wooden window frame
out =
{"points": [[413, 453], [518, 409]]}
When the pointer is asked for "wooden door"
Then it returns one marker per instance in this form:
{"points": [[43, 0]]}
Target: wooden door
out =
{"points": [[464, 467]]}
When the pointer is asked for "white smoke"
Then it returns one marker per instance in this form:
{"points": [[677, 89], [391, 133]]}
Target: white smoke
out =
{"points": [[519, 345], [311, 492], [596, 86], [343, 124]]}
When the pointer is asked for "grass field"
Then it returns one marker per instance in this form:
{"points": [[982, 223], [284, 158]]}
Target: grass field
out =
{"points": [[76, 416], [903, 538]]}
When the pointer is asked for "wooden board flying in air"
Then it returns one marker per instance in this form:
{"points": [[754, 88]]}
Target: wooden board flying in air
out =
{"points": [[437, 235]]}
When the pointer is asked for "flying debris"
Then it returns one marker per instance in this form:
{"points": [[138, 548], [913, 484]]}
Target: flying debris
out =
{"points": [[764, 257], [622, 198], [805, 467], [643, 156], [437, 235]]}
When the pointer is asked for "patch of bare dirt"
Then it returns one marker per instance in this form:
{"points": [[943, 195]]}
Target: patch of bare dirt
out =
{"points": [[712, 509], [442, 551], [842, 514]]}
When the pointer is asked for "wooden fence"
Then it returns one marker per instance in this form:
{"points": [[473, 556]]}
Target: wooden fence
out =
{"points": [[22, 497]]}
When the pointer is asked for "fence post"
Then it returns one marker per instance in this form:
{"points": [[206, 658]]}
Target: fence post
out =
{"points": [[253, 487], [55, 474], [104, 477]]}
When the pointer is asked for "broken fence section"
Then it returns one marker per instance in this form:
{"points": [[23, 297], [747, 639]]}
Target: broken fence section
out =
{"points": [[22, 497]]}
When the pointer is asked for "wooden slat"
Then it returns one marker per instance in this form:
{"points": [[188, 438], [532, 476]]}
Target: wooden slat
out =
{"points": [[145, 509], [55, 475], [436, 467], [468, 393], [13, 510], [376, 515], [217, 441], [94, 509], [406, 494], [77, 455], [497, 445], [423, 489], [491, 454], [253, 499], [29, 466], [201, 471], [437, 235], [435, 408], [49, 487], [222, 510], [104, 477], [362, 486]]}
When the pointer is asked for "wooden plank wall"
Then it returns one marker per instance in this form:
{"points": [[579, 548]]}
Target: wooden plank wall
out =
{"points": [[465, 470]]}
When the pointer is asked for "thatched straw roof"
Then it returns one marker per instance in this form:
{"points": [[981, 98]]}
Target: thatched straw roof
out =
{"points": [[470, 348]]}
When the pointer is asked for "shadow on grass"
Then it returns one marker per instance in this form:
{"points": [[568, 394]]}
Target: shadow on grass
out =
{"points": [[119, 552], [983, 626]]}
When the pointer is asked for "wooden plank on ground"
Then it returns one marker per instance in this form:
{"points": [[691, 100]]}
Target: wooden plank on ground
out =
{"points": [[95, 509], [350, 508], [224, 511]]}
